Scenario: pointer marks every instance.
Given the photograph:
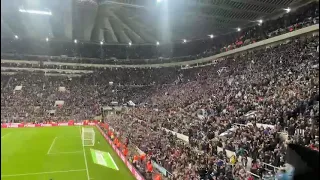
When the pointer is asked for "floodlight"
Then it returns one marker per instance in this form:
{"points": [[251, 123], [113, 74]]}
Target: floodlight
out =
{"points": [[211, 36], [184, 40], [288, 10], [101, 42], [16, 37], [30, 11], [158, 43], [238, 29], [47, 39], [259, 22], [75, 41], [130, 43]]}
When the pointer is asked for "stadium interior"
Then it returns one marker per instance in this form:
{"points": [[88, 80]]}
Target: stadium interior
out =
{"points": [[182, 89]]}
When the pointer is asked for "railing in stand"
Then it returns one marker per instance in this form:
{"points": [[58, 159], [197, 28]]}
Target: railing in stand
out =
{"points": [[271, 167], [255, 175]]}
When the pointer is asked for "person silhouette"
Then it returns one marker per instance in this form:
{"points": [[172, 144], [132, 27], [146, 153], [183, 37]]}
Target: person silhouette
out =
{"points": [[304, 160]]}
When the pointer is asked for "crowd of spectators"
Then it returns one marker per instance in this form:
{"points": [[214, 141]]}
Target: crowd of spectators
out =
{"points": [[220, 108], [279, 85], [82, 97]]}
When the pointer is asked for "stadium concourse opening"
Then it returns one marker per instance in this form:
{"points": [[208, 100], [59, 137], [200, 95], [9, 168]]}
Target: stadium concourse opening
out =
{"points": [[159, 90]]}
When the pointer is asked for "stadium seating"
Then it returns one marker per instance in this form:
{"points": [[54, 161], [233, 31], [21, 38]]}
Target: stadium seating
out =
{"points": [[278, 85], [249, 106]]}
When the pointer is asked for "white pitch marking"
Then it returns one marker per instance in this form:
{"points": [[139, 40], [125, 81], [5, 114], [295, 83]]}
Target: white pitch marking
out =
{"points": [[69, 137], [113, 161], [5, 135], [54, 140], [85, 157], [67, 152], [51, 172]]}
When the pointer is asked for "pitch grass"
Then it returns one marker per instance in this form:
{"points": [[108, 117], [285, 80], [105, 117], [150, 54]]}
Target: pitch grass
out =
{"points": [[54, 153]]}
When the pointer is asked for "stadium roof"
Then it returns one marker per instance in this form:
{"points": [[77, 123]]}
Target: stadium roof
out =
{"points": [[136, 21]]}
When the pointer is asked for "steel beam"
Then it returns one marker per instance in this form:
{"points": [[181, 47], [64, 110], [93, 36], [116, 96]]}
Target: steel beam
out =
{"points": [[207, 4], [258, 3], [134, 36]]}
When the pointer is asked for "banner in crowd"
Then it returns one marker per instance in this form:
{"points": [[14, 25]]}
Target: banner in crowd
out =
{"points": [[18, 88], [259, 125], [201, 113], [130, 103], [180, 136]]}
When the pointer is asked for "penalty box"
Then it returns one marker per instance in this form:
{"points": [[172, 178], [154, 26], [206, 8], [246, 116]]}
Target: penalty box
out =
{"points": [[65, 145]]}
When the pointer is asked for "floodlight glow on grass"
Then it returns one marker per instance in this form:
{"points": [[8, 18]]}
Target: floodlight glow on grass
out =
{"points": [[35, 12]]}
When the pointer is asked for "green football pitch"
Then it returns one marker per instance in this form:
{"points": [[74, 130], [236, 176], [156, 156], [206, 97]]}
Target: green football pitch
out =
{"points": [[56, 153]]}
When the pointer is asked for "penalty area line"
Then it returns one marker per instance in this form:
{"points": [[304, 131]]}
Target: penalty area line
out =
{"points": [[54, 140], [5, 135], [74, 152], [51, 172], [114, 163]]}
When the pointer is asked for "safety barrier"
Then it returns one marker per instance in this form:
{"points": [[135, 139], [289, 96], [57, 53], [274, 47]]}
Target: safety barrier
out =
{"points": [[69, 123]]}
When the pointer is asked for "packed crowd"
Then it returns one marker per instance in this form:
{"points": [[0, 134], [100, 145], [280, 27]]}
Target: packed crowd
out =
{"points": [[276, 86], [152, 54], [56, 98], [251, 104]]}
